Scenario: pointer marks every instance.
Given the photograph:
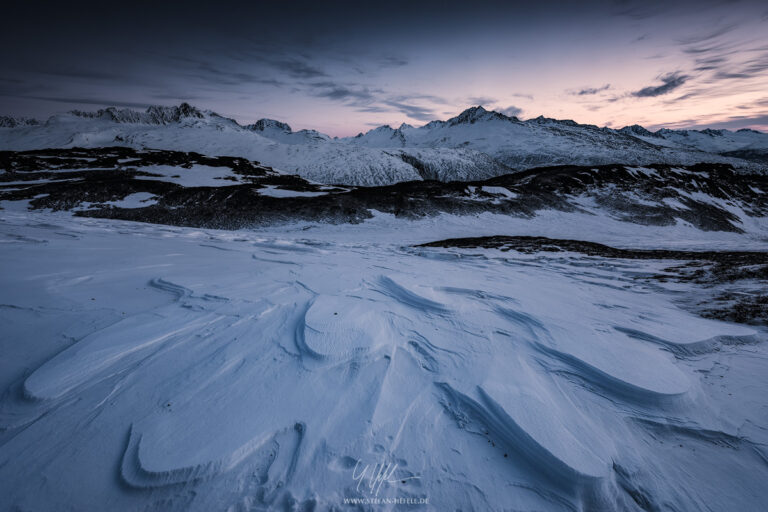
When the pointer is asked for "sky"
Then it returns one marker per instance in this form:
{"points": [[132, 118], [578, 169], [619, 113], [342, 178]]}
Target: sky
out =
{"points": [[346, 67]]}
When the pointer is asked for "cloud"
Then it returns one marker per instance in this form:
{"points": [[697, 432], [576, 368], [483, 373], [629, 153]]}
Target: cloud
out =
{"points": [[209, 73], [637, 12], [90, 101], [737, 122], [178, 97], [372, 100], [521, 95], [511, 111], [340, 93], [412, 111], [725, 69], [350, 94], [588, 91], [688, 96], [731, 123], [375, 109], [707, 36], [481, 100], [710, 63], [87, 74], [297, 68], [670, 82], [392, 61], [757, 120]]}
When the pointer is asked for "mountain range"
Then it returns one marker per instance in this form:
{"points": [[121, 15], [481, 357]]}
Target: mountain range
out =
{"points": [[477, 144]]}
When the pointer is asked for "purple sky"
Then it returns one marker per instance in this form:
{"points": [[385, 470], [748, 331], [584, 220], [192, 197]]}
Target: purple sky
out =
{"points": [[344, 67]]}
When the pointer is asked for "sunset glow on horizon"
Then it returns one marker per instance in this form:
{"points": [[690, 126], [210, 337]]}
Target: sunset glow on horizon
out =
{"points": [[346, 68]]}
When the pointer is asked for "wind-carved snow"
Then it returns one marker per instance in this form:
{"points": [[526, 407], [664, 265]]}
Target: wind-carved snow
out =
{"points": [[341, 327], [227, 370]]}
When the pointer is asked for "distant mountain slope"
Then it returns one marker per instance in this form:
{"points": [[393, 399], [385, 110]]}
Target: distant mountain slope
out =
{"points": [[310, 154], [225, 192], [544, 141], [475, 145]]}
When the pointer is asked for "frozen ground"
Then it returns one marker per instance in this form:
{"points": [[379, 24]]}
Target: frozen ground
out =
{"points": [[147, 367]]}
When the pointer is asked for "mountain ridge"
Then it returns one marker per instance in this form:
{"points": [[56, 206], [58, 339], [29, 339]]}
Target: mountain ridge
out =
{"points": [[469, 115], [476, 144]]}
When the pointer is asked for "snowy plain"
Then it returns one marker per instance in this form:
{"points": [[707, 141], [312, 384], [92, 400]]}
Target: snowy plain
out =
{"points": [[150, 367]]}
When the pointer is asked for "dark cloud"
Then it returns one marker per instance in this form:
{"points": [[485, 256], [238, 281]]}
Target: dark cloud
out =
{"points": [[707, 36], [686, 96], [710, 63], [591, 90], [481, 100], [511, 111], [343, 94], [718, 49], [735, 122], [637, 12], [392, 62], [374, 109], [207, 72], [727, 75], [298, 69], [669, 83], [745, 69], [376, 100], [88, 74], [176, 98], [411, 110], [90, 101], [521, 95]]}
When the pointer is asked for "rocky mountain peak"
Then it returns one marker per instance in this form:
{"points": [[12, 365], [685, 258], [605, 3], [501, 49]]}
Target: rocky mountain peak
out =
{"points": [[269, 124], [475, 114], [13, 122]]}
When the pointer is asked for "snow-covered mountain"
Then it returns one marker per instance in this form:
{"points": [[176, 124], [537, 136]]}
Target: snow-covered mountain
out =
{"points": [[543, 141], [281, 132], [310, 154], [13, 122], [475, 145]]}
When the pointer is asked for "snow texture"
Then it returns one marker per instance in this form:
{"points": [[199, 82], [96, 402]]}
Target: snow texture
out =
{"points": [[185, 369]]}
